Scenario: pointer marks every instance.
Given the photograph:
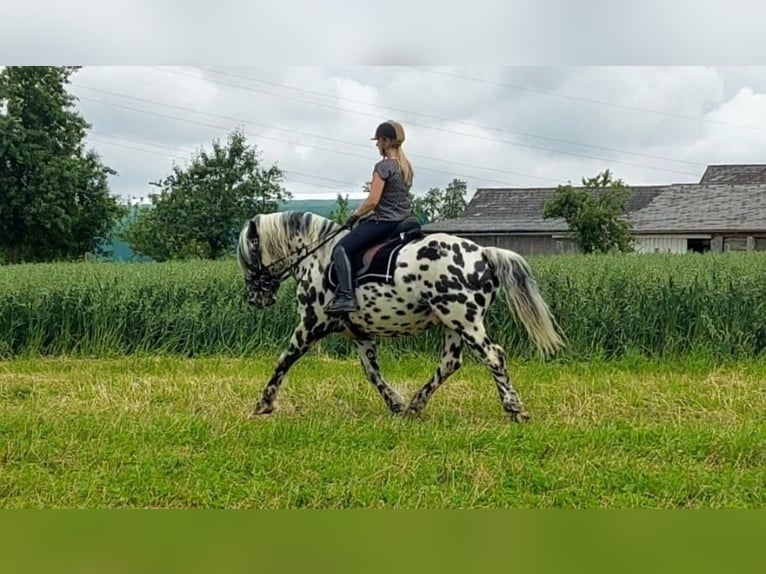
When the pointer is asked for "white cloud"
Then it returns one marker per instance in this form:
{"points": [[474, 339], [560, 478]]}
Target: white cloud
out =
{"points": [[317, 121]]}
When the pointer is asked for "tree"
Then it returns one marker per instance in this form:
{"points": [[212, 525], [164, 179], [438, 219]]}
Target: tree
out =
{"points": [[453, 199], [201, 208], [436, 204], [55, 201], [593, 213], [342, 210]]}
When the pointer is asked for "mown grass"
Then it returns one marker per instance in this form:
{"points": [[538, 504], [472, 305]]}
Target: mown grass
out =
{"points": [[607, 306], [160, 432]]}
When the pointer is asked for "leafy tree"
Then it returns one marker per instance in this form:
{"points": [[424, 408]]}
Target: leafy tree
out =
{"points": [[594, 213], [201, 208], [436, 204], [428, 206], [342, 210], [453, 199], [55, 201]]}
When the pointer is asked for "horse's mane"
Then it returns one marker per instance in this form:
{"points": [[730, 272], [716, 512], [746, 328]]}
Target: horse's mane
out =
{"points": [[278, 231]]}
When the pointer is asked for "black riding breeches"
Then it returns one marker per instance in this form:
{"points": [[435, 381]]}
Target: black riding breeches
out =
{"points": [[365, 234]]}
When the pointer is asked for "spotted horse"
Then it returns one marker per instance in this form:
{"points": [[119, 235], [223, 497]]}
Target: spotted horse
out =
{"points": [[411, 283]]}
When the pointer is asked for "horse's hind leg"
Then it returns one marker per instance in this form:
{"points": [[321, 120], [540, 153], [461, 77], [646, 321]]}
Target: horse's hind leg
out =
{"points": [[493, 357], [450, 362], [368, 355]]}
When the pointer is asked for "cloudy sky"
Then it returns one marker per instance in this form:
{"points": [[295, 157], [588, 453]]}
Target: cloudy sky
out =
{"points": [[490, 126]]}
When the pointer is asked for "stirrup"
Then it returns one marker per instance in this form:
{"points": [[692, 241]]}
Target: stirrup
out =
{"points": [[342, 304]]}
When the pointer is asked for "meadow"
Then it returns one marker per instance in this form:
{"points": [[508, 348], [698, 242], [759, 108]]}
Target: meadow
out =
{"points": [[129, 385], [168, 432], [660, 306]]}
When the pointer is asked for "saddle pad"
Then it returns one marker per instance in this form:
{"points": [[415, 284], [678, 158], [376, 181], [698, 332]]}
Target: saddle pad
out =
{"points": [[380, 270]]}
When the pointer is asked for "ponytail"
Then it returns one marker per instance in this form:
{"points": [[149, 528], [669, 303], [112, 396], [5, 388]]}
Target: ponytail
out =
{"points": [[405, 166]]}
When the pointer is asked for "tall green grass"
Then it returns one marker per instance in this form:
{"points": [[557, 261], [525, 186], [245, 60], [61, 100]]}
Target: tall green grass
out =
{"points": [[607, 306]]}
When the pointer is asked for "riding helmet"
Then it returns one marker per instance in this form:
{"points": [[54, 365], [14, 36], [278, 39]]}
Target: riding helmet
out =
{"points": [[391, 130]]}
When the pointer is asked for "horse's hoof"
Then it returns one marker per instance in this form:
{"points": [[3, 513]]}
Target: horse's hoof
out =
{"points": [[413, 413], [520, 416], [398, 409], [261, 409]]}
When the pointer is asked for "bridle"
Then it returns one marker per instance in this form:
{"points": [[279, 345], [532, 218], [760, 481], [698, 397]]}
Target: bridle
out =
{"points": [[268, 279]]}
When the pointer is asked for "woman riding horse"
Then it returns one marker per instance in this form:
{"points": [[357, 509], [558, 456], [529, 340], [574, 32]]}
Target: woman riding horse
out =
{"points": [[388, 201]]}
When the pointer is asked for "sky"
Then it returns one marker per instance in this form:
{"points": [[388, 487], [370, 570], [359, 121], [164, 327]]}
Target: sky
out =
{"points": [[490, 126]]}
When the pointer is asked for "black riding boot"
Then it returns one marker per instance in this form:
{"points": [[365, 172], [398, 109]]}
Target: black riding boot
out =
{"points": [[344, 301]]}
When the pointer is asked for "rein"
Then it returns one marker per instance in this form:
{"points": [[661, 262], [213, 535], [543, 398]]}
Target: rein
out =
{"points": [[269, 281]]}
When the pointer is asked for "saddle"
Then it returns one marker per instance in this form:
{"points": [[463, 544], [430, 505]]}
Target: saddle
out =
{"points": [[378, 262]]}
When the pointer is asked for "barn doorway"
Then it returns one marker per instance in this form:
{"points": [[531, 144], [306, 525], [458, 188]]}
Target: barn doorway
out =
{"points": [[698, 245]]}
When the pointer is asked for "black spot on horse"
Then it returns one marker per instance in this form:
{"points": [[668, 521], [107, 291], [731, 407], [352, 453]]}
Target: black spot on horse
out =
{"points": [[310, 319], [428, 252], [470, 313], [480, 300], [446, 284], [449, 298], [469, 247], [458, 258], [409, 278], [424, 267], [422, 308]]}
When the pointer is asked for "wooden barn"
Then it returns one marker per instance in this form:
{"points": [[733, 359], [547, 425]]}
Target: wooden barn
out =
{"points": [[725, 211]]}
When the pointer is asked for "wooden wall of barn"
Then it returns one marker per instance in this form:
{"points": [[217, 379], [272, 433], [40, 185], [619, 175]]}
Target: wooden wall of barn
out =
{"points": [[541, 244]]}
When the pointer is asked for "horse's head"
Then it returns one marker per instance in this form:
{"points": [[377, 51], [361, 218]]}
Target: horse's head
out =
{"points": [[270, 246], [260, 284]]}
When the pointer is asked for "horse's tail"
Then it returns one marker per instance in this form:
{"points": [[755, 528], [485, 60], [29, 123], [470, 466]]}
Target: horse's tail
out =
{"points": [[522, 295]]}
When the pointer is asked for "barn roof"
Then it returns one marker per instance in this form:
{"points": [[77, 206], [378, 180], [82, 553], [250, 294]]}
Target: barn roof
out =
{"points": [[735, 173], [690, 207]]}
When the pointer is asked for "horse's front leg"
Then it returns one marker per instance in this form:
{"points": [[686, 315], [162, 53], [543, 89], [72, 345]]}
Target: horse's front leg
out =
{"points": [[301, 341], [368, 355]]}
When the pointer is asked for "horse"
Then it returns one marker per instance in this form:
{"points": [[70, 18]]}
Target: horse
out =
{"points": [[405, 285]]}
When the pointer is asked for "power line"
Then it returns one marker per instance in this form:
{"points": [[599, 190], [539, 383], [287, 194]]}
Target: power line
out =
{"points": [[451, 120], [344, 153], [288, 130], [320, 104], [582, 98], [287, 173]]}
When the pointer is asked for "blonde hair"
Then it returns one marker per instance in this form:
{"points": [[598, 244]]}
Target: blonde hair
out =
{"points": [[401, 157]]}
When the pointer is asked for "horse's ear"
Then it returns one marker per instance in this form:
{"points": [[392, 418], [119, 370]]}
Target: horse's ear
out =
{"points": [[252, 230]]}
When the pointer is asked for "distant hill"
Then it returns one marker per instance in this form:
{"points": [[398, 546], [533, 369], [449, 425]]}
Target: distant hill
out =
{"points": [[321, 207], [120, 251]]}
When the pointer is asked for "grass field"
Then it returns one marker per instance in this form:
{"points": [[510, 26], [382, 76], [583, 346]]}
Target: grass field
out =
{"points": [[161, 432]]}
